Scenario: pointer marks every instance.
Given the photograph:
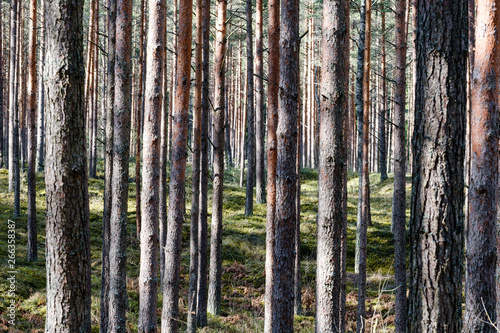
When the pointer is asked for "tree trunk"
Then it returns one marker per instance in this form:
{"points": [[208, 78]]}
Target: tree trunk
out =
{"points": [[215, 285], [399, 195], [195, 203], [108, 167], [437, 225], [67, 232], [364, 184], [164, 156], [285, 219], [2, 72], [201, 304], [359, 114], [178, 172], [297, 285], [260, 175], [480, 289], [138, 120], [382, 142], [40, 132], [272, 153], [121, 143], [148, 275], [14, 180], [332, 216], [250, 115], [32, 225]]}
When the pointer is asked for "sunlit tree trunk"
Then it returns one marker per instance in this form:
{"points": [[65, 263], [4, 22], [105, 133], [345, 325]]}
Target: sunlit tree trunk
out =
{"points": [[215, 286], [285, 219], [108, 166], [332, 217], [272, 153], [437, 225], [480, 288], [121, 141], [148, 274], [67, 231], [178, 172]]}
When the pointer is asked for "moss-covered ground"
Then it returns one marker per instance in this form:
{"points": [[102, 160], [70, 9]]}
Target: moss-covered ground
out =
{"points": [[243, 258]]}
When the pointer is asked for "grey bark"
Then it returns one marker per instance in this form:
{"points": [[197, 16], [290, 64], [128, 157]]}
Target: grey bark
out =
{"points": [[67, 231], [148, 274], [250, 114], [332, 216], [399, 195], [285, 218], [437, 225], [121, 141], [215, 285], [202, 296]]}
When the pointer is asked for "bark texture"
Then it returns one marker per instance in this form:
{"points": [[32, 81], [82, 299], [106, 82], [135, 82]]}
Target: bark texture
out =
{"points": [[195, 203], [437, 217], [285, 219], [67, 230], [250, 115], [272, 154], [364, 181], [121, 143], [148, 275], [480, 288], [332, 216], [260, 175], [31, 174], [399, 195], [202, 296], [215, 286], [177, 191], [108, 166]]}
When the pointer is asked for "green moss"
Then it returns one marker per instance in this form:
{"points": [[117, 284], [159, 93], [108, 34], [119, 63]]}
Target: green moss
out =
{"points": [[243, 253]]}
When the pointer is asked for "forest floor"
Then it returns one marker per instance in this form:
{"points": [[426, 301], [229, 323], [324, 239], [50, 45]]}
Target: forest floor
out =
{"points": [[243, 258]]}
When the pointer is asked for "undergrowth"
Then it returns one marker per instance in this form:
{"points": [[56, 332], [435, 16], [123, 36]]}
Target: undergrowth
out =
{"points": [[243, 257]]}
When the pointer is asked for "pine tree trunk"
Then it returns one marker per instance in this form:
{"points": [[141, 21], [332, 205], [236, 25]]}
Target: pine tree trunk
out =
{"points": [[40, 132], [202, 295], [2, 112], [32, 224], [195, 202], [285, 218], [138, 120], [121, 141], [364, 187], [178, 172], [67, 231], [14, 180], [272, 153], [437, 225], [250, 114], [382, 142], [332, 216], [148, 274], [108, 166], [480, 288], [359, 115], [260, 176], [297, 285], [164, 156], [399, 195], [215, 285]]}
